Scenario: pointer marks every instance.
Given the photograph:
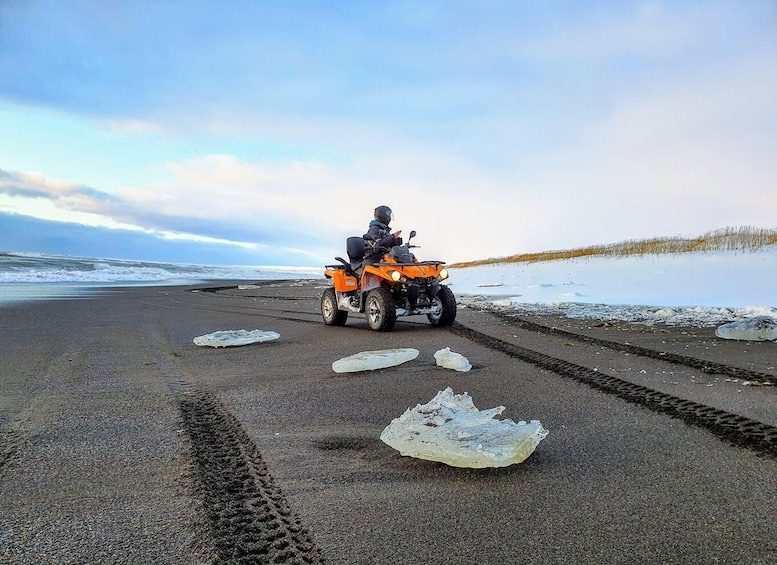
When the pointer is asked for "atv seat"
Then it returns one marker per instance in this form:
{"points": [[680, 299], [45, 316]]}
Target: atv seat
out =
{"points": [[355, 248]]}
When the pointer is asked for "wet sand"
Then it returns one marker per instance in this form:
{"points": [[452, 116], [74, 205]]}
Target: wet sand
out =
{"points": [[122, 441]]}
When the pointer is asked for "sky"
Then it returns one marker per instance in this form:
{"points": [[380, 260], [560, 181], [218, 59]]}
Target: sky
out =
{"points": [[265, 133]]}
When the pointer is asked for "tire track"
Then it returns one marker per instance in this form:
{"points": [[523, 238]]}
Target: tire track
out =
{"points": [[737, 429], [11, 442], [674, 358], [250, 518]]}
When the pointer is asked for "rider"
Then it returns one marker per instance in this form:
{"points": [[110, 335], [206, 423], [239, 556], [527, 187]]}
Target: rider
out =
{"points": [[379, 234]]}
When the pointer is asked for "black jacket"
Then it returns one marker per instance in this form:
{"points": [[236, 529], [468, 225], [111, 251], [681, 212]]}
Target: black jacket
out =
{"points": [[381, 236]]}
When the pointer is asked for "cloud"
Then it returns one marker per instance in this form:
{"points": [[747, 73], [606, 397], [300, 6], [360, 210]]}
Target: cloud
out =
{"points": [[196, 214], [35, 185], [26, 234]]}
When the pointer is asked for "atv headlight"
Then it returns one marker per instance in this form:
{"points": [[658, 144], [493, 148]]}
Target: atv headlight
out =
{"points": [[395, 276], [443, 274]]}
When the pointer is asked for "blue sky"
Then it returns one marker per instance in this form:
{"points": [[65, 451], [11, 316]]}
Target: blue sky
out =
{"points": [[254, 132]]}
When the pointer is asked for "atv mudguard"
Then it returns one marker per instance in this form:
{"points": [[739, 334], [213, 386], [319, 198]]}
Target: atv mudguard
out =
{"points": [[342, 280]]}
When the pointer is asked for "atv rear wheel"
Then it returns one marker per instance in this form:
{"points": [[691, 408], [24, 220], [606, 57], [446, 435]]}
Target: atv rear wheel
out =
{"points": [[332, 315], [445, 308], [381, 310]]}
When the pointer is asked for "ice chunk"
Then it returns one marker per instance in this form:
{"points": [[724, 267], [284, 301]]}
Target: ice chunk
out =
{"points": [[231, 338], [758, 328], [452, 360], [371, 360], [449, 429]]}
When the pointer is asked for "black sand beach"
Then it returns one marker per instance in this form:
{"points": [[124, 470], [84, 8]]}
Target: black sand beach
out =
{"points": [[123, 442]]}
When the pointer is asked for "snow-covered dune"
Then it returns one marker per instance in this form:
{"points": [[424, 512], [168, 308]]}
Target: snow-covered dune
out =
{"points": [[690, 288]]}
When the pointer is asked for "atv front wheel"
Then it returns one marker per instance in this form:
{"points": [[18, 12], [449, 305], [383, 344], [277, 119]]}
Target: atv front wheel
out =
{"points": [[381, 310], [444, 305], [329, 311]]}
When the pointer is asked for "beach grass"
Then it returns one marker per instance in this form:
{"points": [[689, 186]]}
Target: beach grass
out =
{"points": [[743, 238]]}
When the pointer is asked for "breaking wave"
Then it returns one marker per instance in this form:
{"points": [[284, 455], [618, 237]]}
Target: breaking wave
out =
{"points": [[32, 268]]}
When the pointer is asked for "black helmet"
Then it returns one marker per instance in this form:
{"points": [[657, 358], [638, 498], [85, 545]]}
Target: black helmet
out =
{"points": [[383, 214]]}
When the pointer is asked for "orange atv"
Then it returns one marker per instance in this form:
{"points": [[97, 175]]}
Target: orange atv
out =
{"points": [[386, 284]]}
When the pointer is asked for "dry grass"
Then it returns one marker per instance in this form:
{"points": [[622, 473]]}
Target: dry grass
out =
{"points": [[726, 239]]}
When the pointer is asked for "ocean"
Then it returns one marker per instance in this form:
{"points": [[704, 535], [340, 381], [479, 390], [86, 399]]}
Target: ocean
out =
{"points": [[32, 276]]}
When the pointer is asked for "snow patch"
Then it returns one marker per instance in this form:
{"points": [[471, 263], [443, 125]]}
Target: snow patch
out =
{"points": [[684, 289], [697, 316]]}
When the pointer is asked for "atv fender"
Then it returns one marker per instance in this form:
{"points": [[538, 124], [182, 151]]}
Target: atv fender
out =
{"points": [[370, 281]]}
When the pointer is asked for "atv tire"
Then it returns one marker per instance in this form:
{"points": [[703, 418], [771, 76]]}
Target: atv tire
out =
{"points": [[447, 303], [381, 310], [329, 311]]}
